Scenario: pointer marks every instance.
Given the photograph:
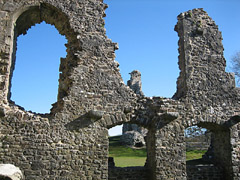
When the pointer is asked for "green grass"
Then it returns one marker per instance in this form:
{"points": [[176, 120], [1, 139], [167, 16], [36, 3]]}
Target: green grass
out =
{"points": [[194, 154], [116, 149], [126, 156], [129, 161]]}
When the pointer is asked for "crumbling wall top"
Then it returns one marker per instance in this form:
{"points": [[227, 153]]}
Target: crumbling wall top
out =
{"points": [[203, 81]]}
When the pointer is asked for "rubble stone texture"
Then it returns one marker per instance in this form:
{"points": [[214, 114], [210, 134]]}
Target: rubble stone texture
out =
{"points": [[135, 82], [132, 133], [133, 139], [72, 141]]}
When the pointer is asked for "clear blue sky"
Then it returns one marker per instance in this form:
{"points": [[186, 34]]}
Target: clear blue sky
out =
{"points": [[144, 30], [35, 78]]}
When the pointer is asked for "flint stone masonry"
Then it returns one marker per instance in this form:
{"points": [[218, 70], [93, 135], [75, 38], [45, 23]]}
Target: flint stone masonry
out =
{"points": [[134, 127], [133, 139], [72, 141], [129, 173], [201, 142], [199, 145], [132, 133], [135, 82], [206, 172]]}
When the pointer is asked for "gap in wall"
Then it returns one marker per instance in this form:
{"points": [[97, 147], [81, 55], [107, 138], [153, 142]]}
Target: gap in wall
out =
{"points": [[198, 141], [36, 73], [123, 155]]}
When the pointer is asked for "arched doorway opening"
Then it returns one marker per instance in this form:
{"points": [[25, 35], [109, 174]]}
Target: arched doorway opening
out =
{"points": [[125, 149], [216, 161], [125, 161], [198, 141]]}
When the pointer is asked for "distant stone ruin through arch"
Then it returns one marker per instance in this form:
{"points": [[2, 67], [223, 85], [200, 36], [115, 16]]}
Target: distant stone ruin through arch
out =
{"points": [[124, 155], [128, 169]]}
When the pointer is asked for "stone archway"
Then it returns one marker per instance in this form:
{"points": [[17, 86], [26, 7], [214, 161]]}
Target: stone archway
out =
{"points": [[139, 172], [218, 156]]}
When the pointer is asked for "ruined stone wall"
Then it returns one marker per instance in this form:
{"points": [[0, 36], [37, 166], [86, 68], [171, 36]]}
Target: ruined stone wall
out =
{"points": [[133, 134], [197, 145], [166, 156], [208, 92], [72, 141], [69, 142], [129, 173], [206, 172], [201, 142], [203, 83]]}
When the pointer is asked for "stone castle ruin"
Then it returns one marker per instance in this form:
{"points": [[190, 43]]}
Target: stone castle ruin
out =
{"points": [[72, 141], [132, 134]]}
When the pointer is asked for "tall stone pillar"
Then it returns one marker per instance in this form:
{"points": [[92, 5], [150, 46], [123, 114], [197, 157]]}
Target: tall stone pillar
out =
{"points": [[133, 134]]}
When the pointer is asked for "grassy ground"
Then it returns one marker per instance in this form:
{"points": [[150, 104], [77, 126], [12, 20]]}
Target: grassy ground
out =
{"points": [[126, 156], [129, 161], [195, 154]]}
